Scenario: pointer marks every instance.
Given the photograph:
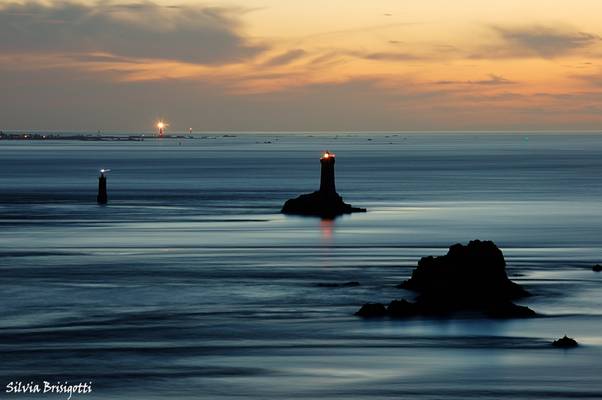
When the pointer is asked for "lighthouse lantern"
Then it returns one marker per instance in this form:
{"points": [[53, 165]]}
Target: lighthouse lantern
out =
{"points": [[327, 185]]}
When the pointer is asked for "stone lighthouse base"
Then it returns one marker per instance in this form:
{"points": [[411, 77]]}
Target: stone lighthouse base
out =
{"points": [[320, 204]]}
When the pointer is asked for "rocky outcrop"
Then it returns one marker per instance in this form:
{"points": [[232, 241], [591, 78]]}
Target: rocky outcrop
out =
{"points": [[468, 273], [372, 310], [565, 342], [320, 204], [406, 309], [469, 279]]}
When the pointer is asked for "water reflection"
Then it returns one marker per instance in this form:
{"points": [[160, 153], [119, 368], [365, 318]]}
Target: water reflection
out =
{"points": [[327, 230]]}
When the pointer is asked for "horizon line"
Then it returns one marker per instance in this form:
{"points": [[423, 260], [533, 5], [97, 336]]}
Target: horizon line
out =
{"points": [[141, 132]]}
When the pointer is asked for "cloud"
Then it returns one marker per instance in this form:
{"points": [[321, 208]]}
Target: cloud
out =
{"points": [[388, 56], [285, 58], [536, 41], [387, 103], [590, 79], [493, 80], [190, 33]]}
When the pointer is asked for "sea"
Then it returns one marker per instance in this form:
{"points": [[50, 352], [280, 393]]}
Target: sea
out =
{"points": [[190, 283]]}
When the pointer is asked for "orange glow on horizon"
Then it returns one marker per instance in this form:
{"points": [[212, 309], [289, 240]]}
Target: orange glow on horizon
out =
{"points": [[387, 65]]}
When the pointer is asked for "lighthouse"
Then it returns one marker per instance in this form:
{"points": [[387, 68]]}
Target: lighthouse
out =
{"points": [[326, 202], [327, 185], [102, 198], [161, 127]]}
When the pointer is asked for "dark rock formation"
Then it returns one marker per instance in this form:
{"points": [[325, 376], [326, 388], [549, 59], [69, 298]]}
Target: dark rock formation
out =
{"points": [[565, 342], [326, 202], [465, 273], [325, 205], [468, 279], [372, 310], [403, 309], [597, 268]]}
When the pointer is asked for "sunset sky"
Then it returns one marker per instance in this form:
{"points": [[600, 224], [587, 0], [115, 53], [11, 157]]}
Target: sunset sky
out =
{"points": [[309, 65]]}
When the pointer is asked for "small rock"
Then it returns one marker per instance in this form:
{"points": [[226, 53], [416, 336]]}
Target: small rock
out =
{"points": [[597, 268], [565, 342]]}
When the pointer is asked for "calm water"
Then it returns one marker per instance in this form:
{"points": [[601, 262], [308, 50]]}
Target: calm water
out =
{"points": [[190, 284]]}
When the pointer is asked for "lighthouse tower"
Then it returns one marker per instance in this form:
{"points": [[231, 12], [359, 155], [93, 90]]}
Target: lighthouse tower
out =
{"points": [[326, 202], [327, 185], [102, 198]]}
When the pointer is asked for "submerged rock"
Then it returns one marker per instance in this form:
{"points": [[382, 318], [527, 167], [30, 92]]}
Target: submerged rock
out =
{"points": [[468, 279], [396, 309], [597, 268], [565, 342]]}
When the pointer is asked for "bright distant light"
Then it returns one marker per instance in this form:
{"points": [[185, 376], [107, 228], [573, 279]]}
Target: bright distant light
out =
{"points": [[160, 125], [102, 171]]}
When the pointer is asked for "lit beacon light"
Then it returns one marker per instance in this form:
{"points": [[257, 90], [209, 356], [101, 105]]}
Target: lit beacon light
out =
{"points": [[327, 155], [161, 126]]}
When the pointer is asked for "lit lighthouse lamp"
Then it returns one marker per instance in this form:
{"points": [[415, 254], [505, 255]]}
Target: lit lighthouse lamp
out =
{"points": [[326, 202], [161, 127]]}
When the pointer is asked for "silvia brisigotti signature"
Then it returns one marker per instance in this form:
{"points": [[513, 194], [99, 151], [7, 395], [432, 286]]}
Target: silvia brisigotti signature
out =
{"points": [[46, 387]]}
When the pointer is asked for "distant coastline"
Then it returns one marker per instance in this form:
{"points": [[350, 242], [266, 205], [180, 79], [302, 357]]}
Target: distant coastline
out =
{"points": [[87, 137]]}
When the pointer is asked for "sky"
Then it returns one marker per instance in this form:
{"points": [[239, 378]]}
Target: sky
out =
{"points": [[280, 65]]}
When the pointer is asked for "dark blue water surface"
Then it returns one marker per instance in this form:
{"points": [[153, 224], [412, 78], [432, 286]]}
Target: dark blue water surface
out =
{"points": [[190, 284]]}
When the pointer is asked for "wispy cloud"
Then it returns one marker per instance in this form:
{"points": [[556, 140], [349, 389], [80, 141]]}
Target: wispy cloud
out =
{"points": [[536, 41], [191, 33], [285, 58], [387, 56], [493, 80], [593, 79]]}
